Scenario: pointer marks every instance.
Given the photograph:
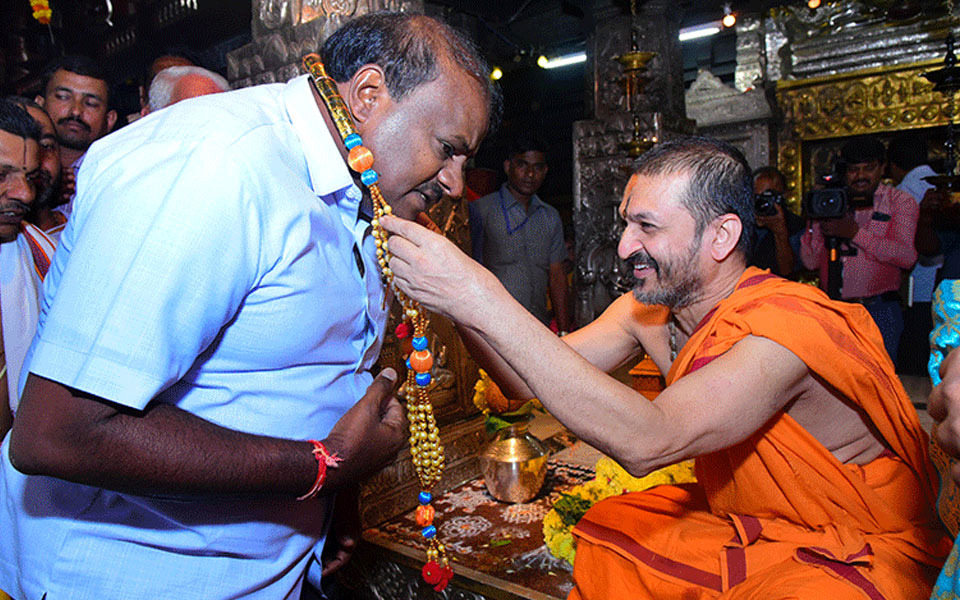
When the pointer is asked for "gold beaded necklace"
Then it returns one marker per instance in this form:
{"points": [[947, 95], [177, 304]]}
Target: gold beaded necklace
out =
{"points": [[425, 448]]}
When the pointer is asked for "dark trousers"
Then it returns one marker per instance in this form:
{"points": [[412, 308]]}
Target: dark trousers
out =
{"points": [[888, 316], [915, 342]]}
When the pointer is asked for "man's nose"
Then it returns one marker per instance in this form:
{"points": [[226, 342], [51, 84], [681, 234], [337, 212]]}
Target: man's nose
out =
{"points": [[21, 188], [451, 176], [76, 107], [628, 245]]}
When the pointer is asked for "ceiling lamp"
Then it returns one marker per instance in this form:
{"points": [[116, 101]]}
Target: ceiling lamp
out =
{"points": [[813, 4], [729, 18], [700, 31], [562, 61], [496, 73]]}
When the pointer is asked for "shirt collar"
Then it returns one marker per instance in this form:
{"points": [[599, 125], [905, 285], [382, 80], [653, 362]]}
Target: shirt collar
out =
{"points": [[328, 172], [510, 200]]}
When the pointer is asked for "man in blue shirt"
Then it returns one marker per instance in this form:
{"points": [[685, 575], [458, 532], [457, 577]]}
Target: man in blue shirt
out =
{"points": [[215, 305], [520, 238]]}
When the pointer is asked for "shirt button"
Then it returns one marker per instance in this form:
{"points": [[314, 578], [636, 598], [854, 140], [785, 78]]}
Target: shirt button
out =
{"points": [[353, 193]]}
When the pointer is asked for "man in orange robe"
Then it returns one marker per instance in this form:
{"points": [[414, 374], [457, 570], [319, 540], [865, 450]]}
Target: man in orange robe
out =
{"points": [[813, 477], [778, 511]]}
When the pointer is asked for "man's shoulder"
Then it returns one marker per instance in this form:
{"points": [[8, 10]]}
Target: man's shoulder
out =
{"points": [[896, 196], [214, 119], [484, 201]]}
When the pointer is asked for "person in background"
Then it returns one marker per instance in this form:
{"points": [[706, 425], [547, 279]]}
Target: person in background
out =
{"points": [[174, 84], [52, 190], [876, 237], [25, 251], [76, 96], [779, 230], [519, 237], [907, 164]]}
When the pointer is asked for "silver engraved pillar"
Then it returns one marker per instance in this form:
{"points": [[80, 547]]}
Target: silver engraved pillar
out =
{"points": [[601, 164]]}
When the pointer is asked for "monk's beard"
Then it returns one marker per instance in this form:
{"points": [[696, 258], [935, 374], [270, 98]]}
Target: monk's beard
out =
{"points": [[678, 282]]}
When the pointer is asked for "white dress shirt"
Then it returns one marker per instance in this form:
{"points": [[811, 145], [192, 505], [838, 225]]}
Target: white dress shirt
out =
{"points": [[209, 263]]}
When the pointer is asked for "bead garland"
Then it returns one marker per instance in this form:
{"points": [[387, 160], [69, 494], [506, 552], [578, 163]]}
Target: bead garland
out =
{"points": [[425, 447]]}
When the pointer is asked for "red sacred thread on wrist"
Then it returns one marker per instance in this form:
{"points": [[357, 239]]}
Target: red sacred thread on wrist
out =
{"points": [[324, 460]]}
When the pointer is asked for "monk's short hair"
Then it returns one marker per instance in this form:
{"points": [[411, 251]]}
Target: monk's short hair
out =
{"points": [[408, 48], [720, 181], [15, 120]]}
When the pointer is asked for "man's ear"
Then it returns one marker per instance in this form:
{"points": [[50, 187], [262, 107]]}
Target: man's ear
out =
{"points": [[727, 230], [39, 99], [506, 167], [111, 120], [366, 92]]}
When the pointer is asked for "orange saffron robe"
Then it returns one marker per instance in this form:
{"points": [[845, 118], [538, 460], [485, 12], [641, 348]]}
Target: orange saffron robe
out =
{"points": [[777, 515]]}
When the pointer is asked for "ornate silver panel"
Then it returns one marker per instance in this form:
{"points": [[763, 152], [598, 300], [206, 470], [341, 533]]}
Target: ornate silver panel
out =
{"points": [[601, 164], [285, 30], [846, 37]]}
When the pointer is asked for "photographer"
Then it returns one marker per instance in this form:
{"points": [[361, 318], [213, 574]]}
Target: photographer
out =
{"points": [[778, 229], [874, 238]]}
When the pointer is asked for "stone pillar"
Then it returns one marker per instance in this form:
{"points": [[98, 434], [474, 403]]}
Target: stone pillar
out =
{"points": [[286, 30], [601, 164]]}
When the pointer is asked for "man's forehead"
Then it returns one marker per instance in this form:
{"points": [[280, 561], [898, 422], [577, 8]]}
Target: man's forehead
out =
{"points": [[530, 156], [463, 124], [864, 164], [78, 83], [18, 153]]}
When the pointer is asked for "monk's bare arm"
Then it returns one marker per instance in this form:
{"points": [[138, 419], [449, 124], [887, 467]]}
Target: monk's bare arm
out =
{"points": [[624, 329], [710, 409]]}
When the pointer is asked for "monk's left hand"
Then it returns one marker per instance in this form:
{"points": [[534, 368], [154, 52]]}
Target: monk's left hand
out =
{"points": [[434, 271], [944, 406]]}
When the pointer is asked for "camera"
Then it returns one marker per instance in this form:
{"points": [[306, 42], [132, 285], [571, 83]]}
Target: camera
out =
{"points": [[829, 202], [766, 203]]}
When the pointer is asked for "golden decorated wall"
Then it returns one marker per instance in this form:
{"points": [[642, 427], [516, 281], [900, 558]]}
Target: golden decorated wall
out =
{"points": [[820, 112]]}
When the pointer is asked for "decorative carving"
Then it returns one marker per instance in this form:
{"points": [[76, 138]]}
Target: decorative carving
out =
{"points": [[601, 164], [710, 102], [876, 100], [373, 576], [842, 37], [285, 30], [274, 14], [750, 57]]}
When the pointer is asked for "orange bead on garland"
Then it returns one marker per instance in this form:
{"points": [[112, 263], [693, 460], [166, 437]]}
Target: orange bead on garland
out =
{"points": [[425, 448]]}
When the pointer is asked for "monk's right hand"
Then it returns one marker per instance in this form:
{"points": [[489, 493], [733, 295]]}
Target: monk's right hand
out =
{"points": [[944, 406], [370, 434], [434, 271]]}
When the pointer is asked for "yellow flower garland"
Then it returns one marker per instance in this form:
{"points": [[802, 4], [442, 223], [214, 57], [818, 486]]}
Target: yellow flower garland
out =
{"points": [[611, 480]]}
